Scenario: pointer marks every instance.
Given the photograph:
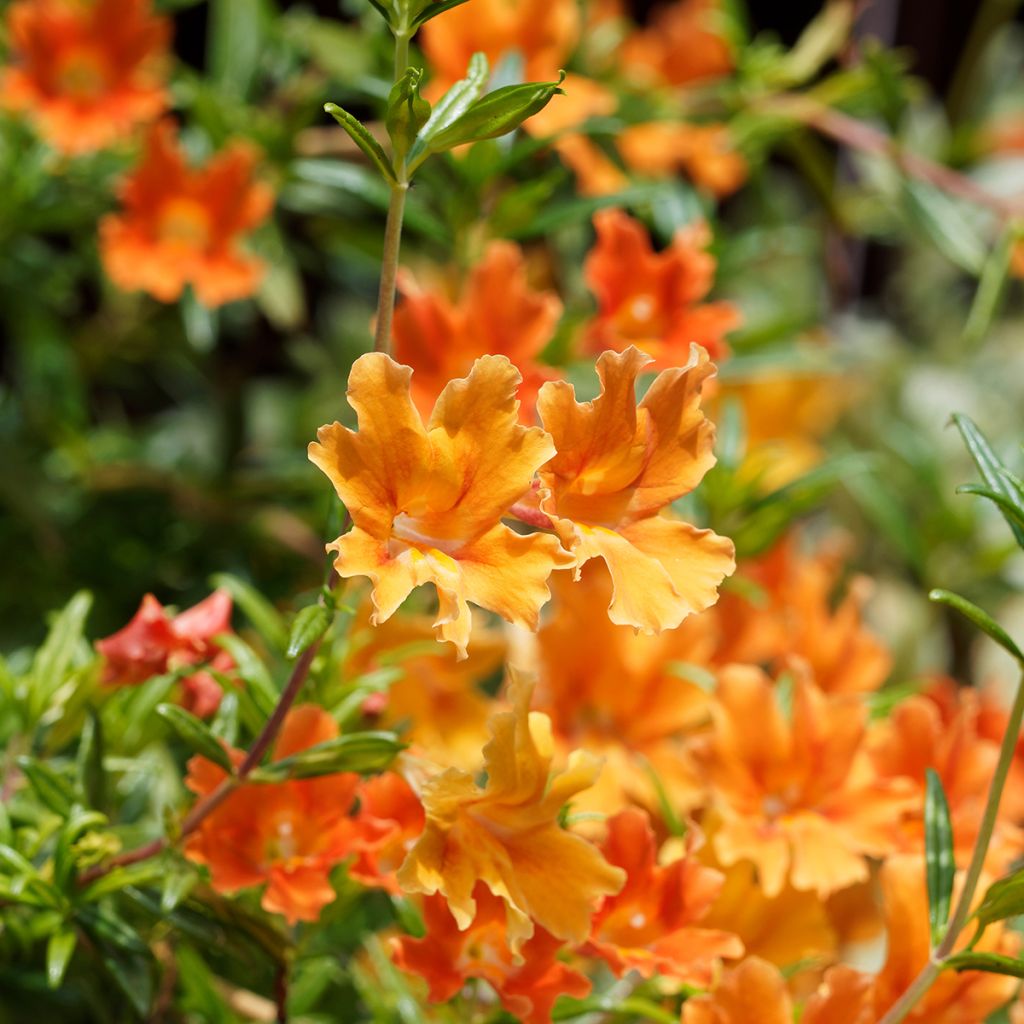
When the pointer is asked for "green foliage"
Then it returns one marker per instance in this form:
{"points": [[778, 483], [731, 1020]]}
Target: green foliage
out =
{"points": [[940, 863]]}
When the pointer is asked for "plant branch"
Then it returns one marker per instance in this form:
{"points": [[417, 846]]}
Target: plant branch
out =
{"points": [[926, 978], [389, 267]]}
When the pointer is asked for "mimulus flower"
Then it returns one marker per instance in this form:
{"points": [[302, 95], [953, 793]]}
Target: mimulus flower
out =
{"points": [[497, 313], [154, 643], [652, 925], [181, 226], [617, 466], [506, 835], [389, 819], [653, 300], [426, 500], [86, 72], [447, 957], [542, 33], [287, 835], [796, 795]]}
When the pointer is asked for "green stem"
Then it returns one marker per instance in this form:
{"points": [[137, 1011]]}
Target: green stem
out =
{"points": [[925, 979], [389, 268]]}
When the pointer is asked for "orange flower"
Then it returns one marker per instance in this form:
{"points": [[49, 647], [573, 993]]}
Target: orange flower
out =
{"points": [[288, 835], [154, 643], [618, 465], [506, 835], [527, 986], [796, 795], [87, 72], [596, 174], [617, 695], [939, 729], [651, 925], [653, 300], [755, 993], [681, 44], [390, 818], [182, 226], [702, 151], [427, 501], [542, 33], [496, 314]]}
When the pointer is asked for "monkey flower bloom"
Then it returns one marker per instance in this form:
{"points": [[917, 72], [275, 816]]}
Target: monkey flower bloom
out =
{"points": [[651, 926], [86, 71], [618, 466], [496, 314], [183, 226], [289, 835], [755, 993], [527, 986], [426, 500], [797, 795], [153, 643], [506, 834], [653, 299]]}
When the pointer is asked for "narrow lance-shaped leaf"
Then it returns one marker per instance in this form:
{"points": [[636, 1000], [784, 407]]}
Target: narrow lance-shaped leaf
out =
{"points": [[361, 136], [55, 791], [1012, 510], [310, 624], [59, 950], [940, 865], [407, 112], [453, 104], [992, 963], [980, 618], [496, 114], [195, 735], [260, 612], [1003, 899], [994, 275], [363, 752], [991, 469], [432, 8]]}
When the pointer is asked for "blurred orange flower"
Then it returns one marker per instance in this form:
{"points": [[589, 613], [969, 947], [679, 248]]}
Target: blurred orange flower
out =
{"points": [[796, 794], [426, 501], [181, 226], [86, 72], [527, 985], [542, 33], [154, 643], [617, 466], [939, 729], [652, 925], [703, 151], [389, 819], [682, 44], [507, 836], [653, 300], [289, 835], [497, 313]]}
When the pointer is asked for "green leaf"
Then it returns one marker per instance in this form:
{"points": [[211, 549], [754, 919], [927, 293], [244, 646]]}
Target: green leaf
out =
{"points": [[407, 112], [254, 673], [1012, 510], [497, 113], [55, 791], [178, 883], [819, 42], [144, 873], [942, 219], [993, 472], [310, 624], [1003, 899], [940, 865], [54, 658], [992, 963], [994, 275], [235, 44], [980, 618], [453, 104], [433, 9], [256, 608], [90, 761], [409, 918], [59, 950], [78, 823], [363, 752], [361, 136], [196, 735]]}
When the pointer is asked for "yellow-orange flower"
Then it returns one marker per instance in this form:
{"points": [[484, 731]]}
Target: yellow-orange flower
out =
{"points": [[682, 44], [506, 834], [447, 957], [654, 925], [86, 72], [289, 835], [653, 300], [183, 226], [796, 795], [497, 313], [542, 33], [426, 500], [755, 992], [618, 466], [703, 151]]}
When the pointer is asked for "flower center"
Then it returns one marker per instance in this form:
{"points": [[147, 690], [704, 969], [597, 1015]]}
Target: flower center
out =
{"points": [[81, 75], [410, 531], [638, 317], [184, 222]]}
